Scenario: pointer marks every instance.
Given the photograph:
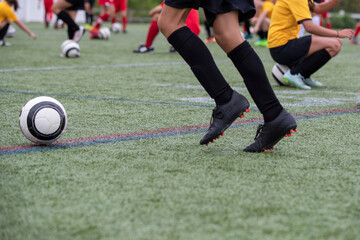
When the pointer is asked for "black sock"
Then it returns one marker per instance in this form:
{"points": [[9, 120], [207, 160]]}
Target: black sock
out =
{"points": [[252, 70], [201, 62], [207, 28], [3, 31], [260, 34], [312, 63], [247, 26], [72, 26]]}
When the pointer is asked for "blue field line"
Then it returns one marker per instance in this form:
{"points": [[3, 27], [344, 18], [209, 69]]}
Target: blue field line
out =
{"points": [[108, 99], [151, 136]]}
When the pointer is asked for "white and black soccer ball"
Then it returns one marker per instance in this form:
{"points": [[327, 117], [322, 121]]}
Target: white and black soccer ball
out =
{"points": [[278, 72], [43, 120], [116, 27], [104, 33], [70, 49]]}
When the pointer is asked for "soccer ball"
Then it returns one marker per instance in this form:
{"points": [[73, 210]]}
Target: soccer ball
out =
{"points": [[43, 120], [116, 27], [278, 72], [70, 49], [104, 33]]}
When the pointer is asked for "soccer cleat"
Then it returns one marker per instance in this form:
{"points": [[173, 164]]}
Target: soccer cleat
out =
{"points": [[79, 33], [224, 115], [94, 33], [312, 83], [143, 49], [210, 40], [295, 80], [248, 36], [272, 132], [355, 41], [172, 49], [261, 43], [4, 44]]}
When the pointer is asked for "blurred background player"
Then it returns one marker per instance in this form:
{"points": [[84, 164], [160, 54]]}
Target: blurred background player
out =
{"points": [[354, 39], [192, 22], [307, 54], [66, 10], [325, 18], [107, 11], [48, 13], [7, 15], [121, 8], [89, 13], [261, 21]]}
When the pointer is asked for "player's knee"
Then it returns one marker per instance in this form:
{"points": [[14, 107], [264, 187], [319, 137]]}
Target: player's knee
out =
{"points": [[337, 45]]}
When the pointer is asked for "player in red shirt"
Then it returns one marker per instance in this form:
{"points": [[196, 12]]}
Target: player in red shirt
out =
{"points": [[48, 13], [121, 7], [192, 22], [107, 11], [354, 39]]}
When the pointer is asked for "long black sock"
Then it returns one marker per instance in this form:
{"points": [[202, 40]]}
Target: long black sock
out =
{"points": [[247, 26], [260, 34], [312, 63], [3, 31], [201, 62], [72, 26], [207, 28], [252, 70]]}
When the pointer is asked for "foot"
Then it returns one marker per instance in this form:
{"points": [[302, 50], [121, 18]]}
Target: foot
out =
{"points": [[144, 49], [79, 33], [312, 83], [224, 115], [295, 80], [261, 43], [355, 41], [248, 36], [172, 49], [272, 132], [94, 33], [4, 44]]}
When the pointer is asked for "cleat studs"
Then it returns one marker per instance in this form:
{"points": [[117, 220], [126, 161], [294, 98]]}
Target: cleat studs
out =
{"points": [[222, 134], [265, 150], [207, 144], [271, 149], [247, 110], [212, 141], [241, 116], [291, 131], [295, 130], [289, 135], [286, 135]]}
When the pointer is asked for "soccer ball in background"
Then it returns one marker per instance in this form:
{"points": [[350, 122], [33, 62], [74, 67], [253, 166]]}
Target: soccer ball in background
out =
{"points": [[43, 120], [278, 72], [70, 49], [116, 27], [104, 33]]}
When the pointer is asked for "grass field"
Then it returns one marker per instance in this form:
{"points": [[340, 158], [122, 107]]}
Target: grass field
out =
{"points": [[129, 165]]}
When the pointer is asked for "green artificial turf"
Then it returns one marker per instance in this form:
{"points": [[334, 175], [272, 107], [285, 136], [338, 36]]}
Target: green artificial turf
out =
{"points": [[170, 187]]}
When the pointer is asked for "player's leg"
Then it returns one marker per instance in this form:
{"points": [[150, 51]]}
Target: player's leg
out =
{"points": [[278, 122], [321, 50], [123, 14], [108, 14], [59, 9], [150, 37], [3, 32], [229, 104]]}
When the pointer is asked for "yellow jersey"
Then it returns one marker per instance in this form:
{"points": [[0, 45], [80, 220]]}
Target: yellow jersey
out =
{"points": [[6, 12], [269, 6], [285, 21]]}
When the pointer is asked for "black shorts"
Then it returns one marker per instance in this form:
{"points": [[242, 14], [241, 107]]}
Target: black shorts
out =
{"points": [[246, 8], [293, 52], [76, 4]]}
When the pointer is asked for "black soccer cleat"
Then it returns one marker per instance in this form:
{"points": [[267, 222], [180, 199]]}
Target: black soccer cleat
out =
{"points": [[224, 115], [270, 133], [144, 49]]}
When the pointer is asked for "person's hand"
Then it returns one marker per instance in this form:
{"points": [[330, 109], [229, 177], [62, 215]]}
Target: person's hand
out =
{"points": [[32, 35], [345, 33]]}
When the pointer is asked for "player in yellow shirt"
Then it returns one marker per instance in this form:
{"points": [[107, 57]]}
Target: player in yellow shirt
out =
{"points": [[307, 54], [7, 16], [261, 21]]}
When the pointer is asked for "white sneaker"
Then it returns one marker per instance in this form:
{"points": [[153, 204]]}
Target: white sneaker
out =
{"points": [[295, 80], [312, 83], [79, 33], [4, 44]]}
